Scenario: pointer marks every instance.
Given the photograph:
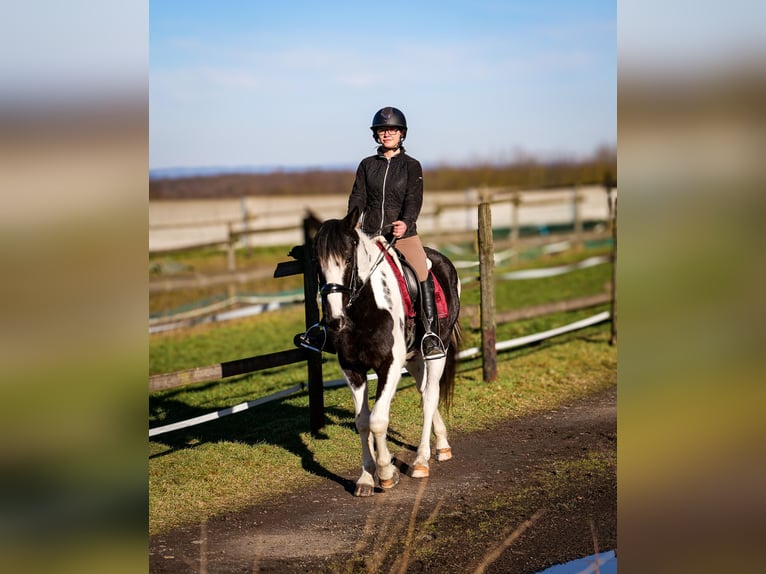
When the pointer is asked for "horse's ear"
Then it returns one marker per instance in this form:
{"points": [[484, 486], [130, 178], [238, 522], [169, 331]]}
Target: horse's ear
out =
{"points": [[352, 218]]}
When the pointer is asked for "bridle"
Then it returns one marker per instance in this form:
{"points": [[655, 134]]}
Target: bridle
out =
{"points": [[326, 289], [356, 285]]}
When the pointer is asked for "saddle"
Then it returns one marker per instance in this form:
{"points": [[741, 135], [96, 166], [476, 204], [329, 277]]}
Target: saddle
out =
{"points": [[409, 286]]}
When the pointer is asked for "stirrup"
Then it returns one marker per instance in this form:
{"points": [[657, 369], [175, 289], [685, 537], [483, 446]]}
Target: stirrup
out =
{"points": [[437, 350], [309, 340]]}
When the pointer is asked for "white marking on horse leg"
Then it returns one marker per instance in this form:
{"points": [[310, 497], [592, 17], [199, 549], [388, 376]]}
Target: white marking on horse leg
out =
{"points": [[430, 402], [379, 430], [416, 366], [366, 482], [443, 449], [379, 417]]}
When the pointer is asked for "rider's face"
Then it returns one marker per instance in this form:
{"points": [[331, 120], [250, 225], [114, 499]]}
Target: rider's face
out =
{"points": [[389, 137]]}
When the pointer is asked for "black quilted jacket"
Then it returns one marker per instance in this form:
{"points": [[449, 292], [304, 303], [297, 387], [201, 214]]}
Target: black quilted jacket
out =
{"points": [[386, 191]]}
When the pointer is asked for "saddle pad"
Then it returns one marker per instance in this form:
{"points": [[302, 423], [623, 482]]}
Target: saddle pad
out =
{"points": [[441, 301], [439, 298]]}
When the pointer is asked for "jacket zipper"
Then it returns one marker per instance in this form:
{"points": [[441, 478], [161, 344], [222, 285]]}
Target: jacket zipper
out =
{"points": [[383, 202]]}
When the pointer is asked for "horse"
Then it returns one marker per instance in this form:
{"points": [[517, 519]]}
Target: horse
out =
{"points": [[367, 321]]}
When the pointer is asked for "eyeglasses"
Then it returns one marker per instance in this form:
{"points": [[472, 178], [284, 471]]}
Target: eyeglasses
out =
{"points": [[381, 131]]}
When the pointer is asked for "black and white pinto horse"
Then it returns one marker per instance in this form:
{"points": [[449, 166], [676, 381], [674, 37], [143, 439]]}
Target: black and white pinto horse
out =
{"points": [[368, 324]]}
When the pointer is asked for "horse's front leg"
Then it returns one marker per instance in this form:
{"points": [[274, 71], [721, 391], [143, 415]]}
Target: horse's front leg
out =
{"points": [[357, 382], [388, 474]]}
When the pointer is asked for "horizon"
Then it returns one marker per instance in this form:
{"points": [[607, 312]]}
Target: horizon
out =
{"points": [[179, 172]]}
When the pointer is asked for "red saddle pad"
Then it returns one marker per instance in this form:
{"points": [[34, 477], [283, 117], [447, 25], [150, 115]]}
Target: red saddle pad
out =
{"points": [[439, 297]]}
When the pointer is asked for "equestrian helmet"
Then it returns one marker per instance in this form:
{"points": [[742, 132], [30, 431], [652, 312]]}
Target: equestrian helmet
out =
{"points": [[389, 117]]}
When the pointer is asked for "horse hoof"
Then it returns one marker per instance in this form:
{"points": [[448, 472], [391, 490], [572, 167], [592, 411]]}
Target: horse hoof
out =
{"points": [[420, 471], [443, 454], [363, 490], [388, 483]]}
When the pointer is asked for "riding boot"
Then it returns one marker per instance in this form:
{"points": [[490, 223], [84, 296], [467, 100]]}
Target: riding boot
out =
{"points": [[431, 345]]}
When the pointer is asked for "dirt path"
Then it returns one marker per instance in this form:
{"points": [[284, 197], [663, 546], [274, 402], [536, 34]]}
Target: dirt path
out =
{"points": [[528, 494]]}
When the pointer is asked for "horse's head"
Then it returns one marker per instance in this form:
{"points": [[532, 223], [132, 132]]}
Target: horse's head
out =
{"points": [[335, 254]]}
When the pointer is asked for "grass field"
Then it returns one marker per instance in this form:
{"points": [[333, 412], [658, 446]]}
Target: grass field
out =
{"points": [[268, 450]]}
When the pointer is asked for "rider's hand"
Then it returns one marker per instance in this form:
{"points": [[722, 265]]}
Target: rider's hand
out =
{"points": [[399, 229]]}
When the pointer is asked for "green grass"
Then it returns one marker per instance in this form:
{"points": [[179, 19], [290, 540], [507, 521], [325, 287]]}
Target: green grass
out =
{"points": [[268, 450]]}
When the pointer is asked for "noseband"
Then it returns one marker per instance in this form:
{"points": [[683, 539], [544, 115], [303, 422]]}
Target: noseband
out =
{"points": [[330, 288]]}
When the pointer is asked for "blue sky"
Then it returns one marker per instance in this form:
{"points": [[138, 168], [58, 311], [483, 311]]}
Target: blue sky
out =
{"points": [[296, 83]]}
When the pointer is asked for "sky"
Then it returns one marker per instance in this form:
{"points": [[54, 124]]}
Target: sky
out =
{"points": [[296, 83]]}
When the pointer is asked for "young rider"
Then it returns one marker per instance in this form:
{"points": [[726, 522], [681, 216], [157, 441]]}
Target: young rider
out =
{"points": [[388, 191]]}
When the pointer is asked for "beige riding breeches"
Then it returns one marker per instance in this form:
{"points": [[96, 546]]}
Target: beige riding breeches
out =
{"points": [[412, 249]]}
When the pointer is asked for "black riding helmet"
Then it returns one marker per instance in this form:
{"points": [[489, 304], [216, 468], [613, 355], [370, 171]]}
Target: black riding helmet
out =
{"points": [[388, 117]]}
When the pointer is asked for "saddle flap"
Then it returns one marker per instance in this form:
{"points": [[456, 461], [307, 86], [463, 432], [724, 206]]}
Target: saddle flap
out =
{"points": [[410, 287], [410, 280]]}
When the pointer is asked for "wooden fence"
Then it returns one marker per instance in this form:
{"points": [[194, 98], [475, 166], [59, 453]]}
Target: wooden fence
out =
{"points": [[432, 222], [302, 263], [432, 227]]}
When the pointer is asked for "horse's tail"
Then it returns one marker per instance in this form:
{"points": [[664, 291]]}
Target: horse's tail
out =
{"points": [[447, 382]]}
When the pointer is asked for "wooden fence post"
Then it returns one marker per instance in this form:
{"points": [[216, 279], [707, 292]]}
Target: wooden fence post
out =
{"points": [[609, 186], [246, 218], [613, 339], [314, 360], [486, 271], [231, 259], [577, 218], [515, 203], [231, 245]]}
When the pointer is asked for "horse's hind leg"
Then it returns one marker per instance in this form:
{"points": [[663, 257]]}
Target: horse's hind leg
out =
{"points": [[428, 385], [443, 449]]}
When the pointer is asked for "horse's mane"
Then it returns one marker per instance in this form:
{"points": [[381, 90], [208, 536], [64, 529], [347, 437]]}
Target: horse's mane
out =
{"points": [[333, 240]]}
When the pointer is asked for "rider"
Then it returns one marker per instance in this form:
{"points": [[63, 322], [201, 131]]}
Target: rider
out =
{"points": [[388, 191]]}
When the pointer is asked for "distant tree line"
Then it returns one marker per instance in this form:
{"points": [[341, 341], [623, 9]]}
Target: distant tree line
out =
{"points": [[526, 173]]}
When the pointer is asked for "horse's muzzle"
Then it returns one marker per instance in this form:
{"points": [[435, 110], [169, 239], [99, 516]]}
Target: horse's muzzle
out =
{"points": [[336, 324]]}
